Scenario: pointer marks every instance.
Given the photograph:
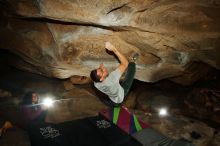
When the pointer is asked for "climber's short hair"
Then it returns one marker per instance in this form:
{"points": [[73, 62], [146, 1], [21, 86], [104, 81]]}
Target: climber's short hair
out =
{"points": [[94, 76]]}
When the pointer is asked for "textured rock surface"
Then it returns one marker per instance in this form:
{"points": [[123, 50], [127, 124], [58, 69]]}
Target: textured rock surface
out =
{"points": [[64, 38], [80, 101], [180, 127], [202, 101]]}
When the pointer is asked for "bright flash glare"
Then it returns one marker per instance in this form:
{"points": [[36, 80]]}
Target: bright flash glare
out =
{"points": [[163, 112], [48, 102]]}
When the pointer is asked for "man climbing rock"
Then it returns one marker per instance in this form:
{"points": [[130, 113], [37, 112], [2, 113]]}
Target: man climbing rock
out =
{"points": [[108, 83]]}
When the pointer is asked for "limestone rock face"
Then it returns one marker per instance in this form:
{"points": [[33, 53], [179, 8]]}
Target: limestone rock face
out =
{"points": [[65, 38], [201, 102]]}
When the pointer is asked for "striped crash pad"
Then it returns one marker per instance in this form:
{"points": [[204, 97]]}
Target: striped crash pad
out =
{"points": [[124, 119], [139, 130]]}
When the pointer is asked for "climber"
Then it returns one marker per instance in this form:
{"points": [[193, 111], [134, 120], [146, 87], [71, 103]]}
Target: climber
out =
{"points": [[109, 83]]}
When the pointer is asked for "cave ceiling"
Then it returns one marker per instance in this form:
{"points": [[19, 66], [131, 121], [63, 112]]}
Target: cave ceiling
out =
{"points": [[176, 39]]}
